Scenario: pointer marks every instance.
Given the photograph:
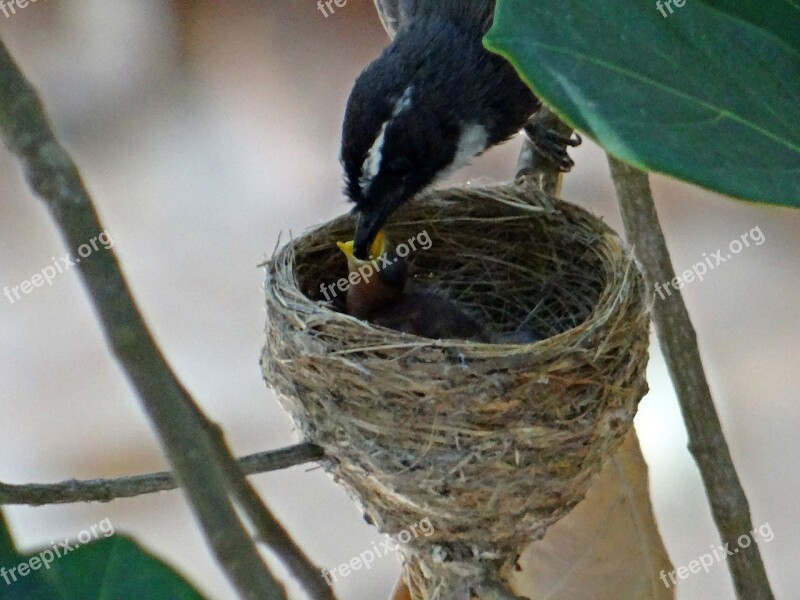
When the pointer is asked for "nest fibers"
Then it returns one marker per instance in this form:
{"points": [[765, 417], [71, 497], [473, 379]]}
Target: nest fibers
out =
{"points": [[492, 443]]}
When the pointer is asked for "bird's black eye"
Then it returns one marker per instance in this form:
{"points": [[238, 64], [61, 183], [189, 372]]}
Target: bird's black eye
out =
{"points": [[399, 166]]}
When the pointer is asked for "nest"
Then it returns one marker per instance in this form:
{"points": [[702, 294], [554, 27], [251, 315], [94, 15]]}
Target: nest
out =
{"points": [[492, 443]]}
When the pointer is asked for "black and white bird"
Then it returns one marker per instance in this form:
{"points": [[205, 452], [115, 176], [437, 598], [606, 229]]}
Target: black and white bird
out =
{"points": [[434, 99]]}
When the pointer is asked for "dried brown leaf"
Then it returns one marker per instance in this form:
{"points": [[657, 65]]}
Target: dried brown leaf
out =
{"points": [[607, 548]]}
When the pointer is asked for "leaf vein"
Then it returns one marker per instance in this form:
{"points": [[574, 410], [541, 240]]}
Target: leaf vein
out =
{"points": [[723, 112]]}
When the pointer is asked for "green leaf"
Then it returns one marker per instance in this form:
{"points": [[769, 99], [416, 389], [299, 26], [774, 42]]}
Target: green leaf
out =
{"points": [[108, 568], [6, 542], [709, 94]]}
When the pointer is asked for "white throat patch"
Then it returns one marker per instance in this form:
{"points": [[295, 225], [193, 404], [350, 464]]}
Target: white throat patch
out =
{"points": [[372, 164], [471, 142]]}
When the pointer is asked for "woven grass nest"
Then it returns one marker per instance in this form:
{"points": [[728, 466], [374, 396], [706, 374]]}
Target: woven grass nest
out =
{"points": [[492, 443]]}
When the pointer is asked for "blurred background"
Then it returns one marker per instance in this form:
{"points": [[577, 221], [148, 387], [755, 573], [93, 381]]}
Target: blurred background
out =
{"points": [[204, 129]]}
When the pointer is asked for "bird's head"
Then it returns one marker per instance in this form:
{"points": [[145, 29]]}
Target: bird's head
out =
{"points": [[389, 154], [406, 125]]}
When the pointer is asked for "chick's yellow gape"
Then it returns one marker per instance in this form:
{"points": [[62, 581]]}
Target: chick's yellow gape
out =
{"points": [[376, 249]]}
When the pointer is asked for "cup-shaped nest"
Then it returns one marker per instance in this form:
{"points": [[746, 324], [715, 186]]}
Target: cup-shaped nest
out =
{"points": [[490, 442]]}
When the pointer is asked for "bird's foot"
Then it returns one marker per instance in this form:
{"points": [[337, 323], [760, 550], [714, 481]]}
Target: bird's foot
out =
{"points": [[553, 145]]}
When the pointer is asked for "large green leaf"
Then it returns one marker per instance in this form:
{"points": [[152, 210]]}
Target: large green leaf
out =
{"points": [[109, 568], [709, 94]]}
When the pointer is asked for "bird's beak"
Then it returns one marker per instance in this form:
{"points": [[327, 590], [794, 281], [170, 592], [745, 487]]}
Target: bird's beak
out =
{"points": [[368, 228], [376, 249]]}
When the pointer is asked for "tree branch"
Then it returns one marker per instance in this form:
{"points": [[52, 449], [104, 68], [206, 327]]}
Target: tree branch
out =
{"points": [[269, 530], [193, 445], [105, 490], [679, 344]]}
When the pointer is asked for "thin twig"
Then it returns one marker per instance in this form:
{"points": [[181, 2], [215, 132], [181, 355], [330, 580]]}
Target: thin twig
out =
{"points": [[105, 490], [679, 344], [270, 531], [192, 444]]}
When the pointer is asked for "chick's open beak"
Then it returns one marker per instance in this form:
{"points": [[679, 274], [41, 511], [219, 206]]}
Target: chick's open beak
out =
{"points": [[376, 249]]}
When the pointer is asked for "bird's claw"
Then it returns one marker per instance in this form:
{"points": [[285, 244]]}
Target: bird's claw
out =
{"points": [[553, 145]]}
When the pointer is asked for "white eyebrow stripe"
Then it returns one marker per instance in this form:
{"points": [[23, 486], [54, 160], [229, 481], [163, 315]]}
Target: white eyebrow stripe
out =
{"points": [[404, 102], [372, 164]]}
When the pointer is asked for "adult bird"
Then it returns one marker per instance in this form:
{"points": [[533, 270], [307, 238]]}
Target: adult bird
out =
{"points": [[434, 99]]}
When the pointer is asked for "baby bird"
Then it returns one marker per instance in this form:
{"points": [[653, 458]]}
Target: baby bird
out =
{"points": [[379, 296], [431, 315], [374, 283]]}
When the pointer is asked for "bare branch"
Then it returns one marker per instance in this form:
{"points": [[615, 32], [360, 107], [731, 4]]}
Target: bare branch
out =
{"points": [[679, 344], [197, 453], [269, 530], [105, 490]]}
